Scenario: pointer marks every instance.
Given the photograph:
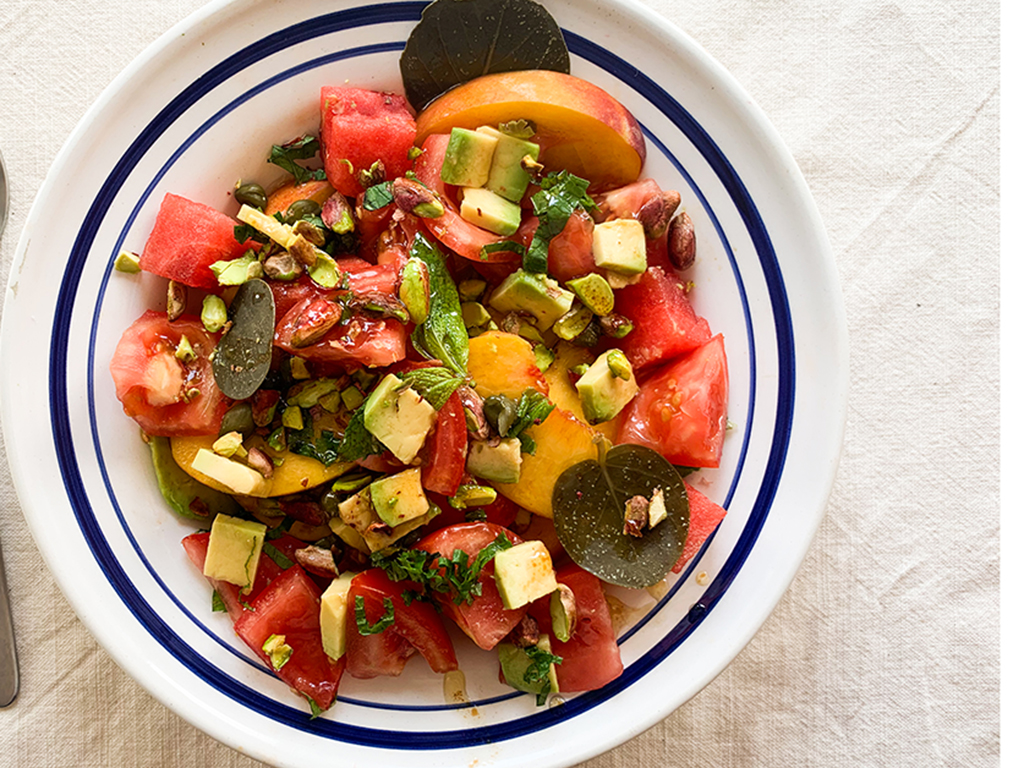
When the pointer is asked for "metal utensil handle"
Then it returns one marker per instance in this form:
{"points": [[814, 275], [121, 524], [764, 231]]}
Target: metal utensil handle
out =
{"points": [[8, 653]]}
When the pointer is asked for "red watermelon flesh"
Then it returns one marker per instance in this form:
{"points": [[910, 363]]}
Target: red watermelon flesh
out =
{"points": [[705, 516], [188, 237]]}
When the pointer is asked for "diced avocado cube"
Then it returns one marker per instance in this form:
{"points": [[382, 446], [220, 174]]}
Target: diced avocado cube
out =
{"points": [[620, 246], [602, 393], [515, 662], [241, 479], [467, 160], [537, 295], [399, 417], [490, 211], [475, 315], [234, 550], [399, 498], [355, 524], [594, 292], [507, 177], [524, 573], [333, 607], [501, 463], [277, 649]]}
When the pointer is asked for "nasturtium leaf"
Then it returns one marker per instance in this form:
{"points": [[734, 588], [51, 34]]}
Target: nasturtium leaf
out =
{"points": [[242, 359], [589, 504], [459, 40]]}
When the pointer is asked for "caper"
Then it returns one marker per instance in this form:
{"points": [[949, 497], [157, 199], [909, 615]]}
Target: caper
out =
{"points": [[238, 419], [301, 208], [251, 194]]}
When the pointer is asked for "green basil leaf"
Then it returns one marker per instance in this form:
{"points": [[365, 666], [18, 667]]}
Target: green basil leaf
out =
{"points": [[436, 385], [279, 557], [285, 155], [560, 194]]}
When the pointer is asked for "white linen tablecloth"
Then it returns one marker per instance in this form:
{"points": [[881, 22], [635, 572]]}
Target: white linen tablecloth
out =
{"points": [[884, 652]]}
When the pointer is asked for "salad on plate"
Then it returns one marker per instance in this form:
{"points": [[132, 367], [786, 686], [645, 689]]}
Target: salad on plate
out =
{"points": [[444, 378]]}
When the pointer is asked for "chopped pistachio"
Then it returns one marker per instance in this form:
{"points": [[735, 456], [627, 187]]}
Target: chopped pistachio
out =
{"points": [[259, 461], [298, 368], [177, 297], [277, 650], [473, 496], [214, 314], [325, 271], [352, 398], [282, 266], [331, 402], [619, 365], [475, 315], [573, 323], [615, 325], [414, 290], [364, 380], [311, 392], [563, 613], [544, 357], [636, 516], [292, 417], [472, 290], [276, 439], [580, 369], [184, 352], [595, 293], [227, 445], [657, 511], [127, 262], [236, 271]]}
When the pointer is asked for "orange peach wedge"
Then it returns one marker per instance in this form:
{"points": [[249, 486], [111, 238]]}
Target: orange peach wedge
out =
{"points": [[581, 127]]}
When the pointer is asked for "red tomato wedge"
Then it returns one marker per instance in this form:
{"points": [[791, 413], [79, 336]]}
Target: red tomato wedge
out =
{"points": [[680, 409], [705, 516], [451, 229], [361, 340], [664, 324], [230, 594], [165, 395], [590, 658], [418, 623], [570, 252], [187, 238], [360, 127], [290, 606], [446, 448], [363, 278], [486, 620]]}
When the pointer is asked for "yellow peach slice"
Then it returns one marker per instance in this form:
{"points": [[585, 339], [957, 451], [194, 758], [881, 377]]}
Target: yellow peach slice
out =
{"points": [[295, 474], [504, 364], [581, 127], [281, 198], [562, 440]]}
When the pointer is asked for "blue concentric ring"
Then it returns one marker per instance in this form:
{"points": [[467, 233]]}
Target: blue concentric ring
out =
{"points": [[74, 485]]}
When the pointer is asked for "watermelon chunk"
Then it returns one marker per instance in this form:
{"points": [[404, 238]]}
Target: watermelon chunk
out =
{"points": [[188, 237], [359, 127], [705, 516]]}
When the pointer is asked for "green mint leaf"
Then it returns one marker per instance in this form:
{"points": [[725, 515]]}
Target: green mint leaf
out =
{"points": [[246, 232], [540, 666], [502, 247], [279, 557], [436, 385], [378, 196], [364, 626], [325, 447], [442, 335], [313, 708], [560, 194], [217, 603], [533, 409], [358, 442], [285, 155]]}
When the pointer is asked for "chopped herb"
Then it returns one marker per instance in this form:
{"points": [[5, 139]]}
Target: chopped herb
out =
{"points": [[217, 603], [279, 530], [314, 708], [443, 334], [533, 409], [358, 442], [560, 194], [378, 196], [364, 626], [285, 156], [518, 129], [541, 662], [436, 385], [246, 232], [279, 557], [325, 447], [502, 247]]}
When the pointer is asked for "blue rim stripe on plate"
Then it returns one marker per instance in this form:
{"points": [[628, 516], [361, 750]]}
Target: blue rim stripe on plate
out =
{"points": [[432, 740]]}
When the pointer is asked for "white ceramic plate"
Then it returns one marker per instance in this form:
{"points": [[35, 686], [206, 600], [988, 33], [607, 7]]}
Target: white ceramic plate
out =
{"points": [[197, 111]]}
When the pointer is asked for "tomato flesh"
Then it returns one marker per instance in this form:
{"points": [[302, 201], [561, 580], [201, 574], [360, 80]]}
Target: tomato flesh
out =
{"points": [[590, 658], [165, 395], [680, 409], [446, 449], [665, 325], [486, 620], [290, 606], [417, 623], [359, 127]]}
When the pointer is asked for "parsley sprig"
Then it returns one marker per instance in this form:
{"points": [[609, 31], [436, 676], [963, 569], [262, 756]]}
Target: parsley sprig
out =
{"points": [[455, 576]]}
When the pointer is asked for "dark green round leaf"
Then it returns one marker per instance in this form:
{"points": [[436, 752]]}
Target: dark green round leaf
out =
{"points": [[242, 360], [458, 40], [589, 506]]}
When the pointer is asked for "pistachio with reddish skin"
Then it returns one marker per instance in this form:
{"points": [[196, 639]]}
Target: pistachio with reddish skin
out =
{"points": [[310, 232], [526, 632], [177, 297], [337, 214], [416, 199], [318, 318], [532, 167], [615, 325], [473, 405], [303, 251], [563, 613], [282, 266], [259, 461], [657, 212], [682, 242], [318, 561], [373, 175], [386, 304], [636, 516]]}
